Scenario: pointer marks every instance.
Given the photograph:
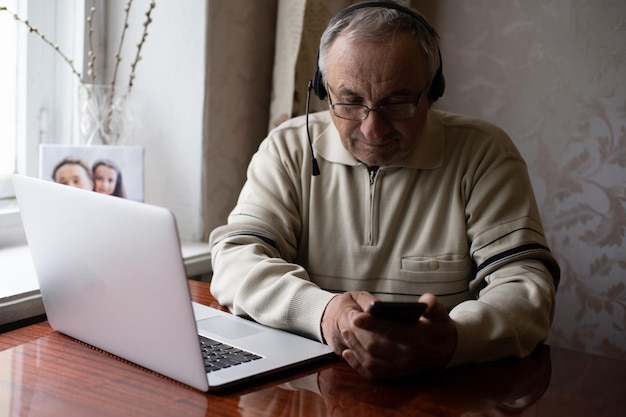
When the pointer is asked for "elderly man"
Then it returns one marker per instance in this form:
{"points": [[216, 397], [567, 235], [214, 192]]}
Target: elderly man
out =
{"points": [[411, 204]]}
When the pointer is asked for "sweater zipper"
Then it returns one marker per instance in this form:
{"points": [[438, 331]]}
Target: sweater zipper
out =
{"points": [[372, 173]]}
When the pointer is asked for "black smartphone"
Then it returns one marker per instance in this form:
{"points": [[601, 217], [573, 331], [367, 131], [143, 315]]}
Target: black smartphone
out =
{"points": [[405, 312]]}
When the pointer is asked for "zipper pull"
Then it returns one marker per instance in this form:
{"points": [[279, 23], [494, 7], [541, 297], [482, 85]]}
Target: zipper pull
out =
{"points": [[373, 172]]}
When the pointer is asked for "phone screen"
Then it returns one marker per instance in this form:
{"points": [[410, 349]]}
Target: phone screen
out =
{"points": [[406, 312]]}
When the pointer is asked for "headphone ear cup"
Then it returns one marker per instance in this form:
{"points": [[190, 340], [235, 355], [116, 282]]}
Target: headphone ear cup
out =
{"points": [[318, 85], [438, 85]]}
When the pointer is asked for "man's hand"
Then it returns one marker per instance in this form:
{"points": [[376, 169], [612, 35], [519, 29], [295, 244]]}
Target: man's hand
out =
{"points": [[380, 349], [337, 317]]}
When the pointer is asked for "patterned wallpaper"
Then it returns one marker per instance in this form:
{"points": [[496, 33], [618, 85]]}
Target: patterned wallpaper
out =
{"points": [[553, 75]]}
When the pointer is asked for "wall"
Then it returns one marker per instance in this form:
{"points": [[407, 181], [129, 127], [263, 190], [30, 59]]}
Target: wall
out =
{"points": [[552, 74], [168, 96]]}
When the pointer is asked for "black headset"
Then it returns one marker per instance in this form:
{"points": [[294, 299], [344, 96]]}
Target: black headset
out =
{"points": [[437, 86]]}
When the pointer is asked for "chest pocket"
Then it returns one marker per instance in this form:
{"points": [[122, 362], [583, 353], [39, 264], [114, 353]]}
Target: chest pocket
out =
{"points": [[439, 268]]}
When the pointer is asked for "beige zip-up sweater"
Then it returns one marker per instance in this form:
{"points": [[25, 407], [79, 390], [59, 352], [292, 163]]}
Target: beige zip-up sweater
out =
{"points": [[457, 218]]}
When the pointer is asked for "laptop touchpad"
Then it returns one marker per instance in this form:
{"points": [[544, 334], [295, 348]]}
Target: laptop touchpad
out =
{"points": [[227, 327]]}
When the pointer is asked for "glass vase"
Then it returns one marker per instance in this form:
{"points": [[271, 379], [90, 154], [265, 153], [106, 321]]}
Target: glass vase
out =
{"points": [[105, 115]]}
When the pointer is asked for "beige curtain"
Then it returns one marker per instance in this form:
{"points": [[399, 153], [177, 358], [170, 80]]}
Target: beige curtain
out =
{"points": [[239, 54], [260, 56]]}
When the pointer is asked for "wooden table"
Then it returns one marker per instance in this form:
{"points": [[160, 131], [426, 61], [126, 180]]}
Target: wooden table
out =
{"points": [[44, 373]]}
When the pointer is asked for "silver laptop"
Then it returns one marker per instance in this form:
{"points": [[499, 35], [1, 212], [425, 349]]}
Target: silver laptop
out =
{"points": [[111, 275]]}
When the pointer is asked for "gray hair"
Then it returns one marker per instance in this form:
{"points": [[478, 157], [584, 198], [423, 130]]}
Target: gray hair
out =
{"points": [[373, 24]]}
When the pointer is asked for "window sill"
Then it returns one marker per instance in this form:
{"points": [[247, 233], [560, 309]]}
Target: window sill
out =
{"points": [[20, 298]]}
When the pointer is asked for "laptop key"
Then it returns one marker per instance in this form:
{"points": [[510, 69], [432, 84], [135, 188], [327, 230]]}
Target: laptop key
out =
{"points": [[218, 355]]}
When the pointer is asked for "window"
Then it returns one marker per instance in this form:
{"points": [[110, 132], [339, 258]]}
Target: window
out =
{"points": [[36, 100], [36, 85]]}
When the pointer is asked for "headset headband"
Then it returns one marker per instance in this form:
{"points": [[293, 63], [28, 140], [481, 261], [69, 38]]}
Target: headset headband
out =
{"points": [[438, 84]]}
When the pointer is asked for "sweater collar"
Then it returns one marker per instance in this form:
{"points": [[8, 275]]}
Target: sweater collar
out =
{"points": [[427, 154]]}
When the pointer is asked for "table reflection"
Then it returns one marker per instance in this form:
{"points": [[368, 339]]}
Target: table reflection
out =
{"points": [[494, 389], [58, 376]]}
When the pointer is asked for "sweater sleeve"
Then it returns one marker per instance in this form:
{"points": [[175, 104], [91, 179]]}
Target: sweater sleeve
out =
{"points": [[510, 317], [252, 280], [255, 272], [516, 275]]}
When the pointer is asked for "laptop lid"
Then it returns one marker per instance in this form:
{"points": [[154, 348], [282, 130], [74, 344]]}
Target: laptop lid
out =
{"points": [[111, 274]]}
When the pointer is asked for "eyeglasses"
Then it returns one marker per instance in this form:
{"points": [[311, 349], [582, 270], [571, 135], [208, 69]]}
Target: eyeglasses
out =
{"points": [[391, 111]]}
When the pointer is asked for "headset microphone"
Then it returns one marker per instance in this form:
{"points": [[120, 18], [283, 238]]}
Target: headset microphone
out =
{"points": [[315, 168]]}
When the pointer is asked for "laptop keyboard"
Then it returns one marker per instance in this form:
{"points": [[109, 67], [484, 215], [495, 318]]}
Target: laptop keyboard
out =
{"points": [[218, 355]]}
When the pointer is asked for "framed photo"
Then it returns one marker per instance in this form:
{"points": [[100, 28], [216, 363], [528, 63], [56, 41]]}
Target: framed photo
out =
{"points": [[114, 170]]}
